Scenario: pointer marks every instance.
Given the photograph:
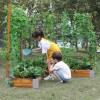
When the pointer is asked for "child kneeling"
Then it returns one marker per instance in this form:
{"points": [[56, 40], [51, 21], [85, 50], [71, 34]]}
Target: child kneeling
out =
{"points": [[59, 68]]}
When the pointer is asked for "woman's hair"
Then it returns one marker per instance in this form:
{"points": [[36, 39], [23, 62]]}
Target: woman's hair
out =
{"points": [[57, 55], [37, 33]]}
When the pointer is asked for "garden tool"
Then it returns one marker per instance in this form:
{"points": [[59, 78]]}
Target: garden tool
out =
{"points": [[26, 52]]}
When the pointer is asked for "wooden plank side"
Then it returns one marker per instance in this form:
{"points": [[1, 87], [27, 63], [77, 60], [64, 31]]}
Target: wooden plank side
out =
{"points": [[15, 80], [22, 85], [80, 73], [24, 82]]}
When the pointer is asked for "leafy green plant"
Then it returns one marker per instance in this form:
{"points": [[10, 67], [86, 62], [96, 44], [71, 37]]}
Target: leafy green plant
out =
{"points": [[29, 69], [75, 63], [49, 25], [65, 27], [79, 64]]}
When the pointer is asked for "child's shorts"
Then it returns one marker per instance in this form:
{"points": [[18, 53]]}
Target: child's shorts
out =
{"points": [[60, 74]]}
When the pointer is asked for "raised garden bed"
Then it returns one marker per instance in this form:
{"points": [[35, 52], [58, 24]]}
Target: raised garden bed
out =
{"points": [[27, 73], [26, 82], [82, 73]]}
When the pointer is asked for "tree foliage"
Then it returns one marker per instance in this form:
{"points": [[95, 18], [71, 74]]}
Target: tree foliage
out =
{"points": [[58, 6], [82, 6]]}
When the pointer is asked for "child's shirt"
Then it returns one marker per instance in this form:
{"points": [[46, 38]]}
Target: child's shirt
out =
{"points": [[45, 44], [61, 66]]}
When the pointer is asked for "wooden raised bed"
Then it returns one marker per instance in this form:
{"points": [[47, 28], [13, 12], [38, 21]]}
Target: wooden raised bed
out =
{"points": [[82, 73], [26, 82]]}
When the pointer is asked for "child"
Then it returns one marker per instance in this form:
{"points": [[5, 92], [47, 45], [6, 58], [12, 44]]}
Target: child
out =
{"points": [[59, 68], [47, 47]]}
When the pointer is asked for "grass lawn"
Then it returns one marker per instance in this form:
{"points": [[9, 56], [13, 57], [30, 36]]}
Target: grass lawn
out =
{"points": [[77, 89]]}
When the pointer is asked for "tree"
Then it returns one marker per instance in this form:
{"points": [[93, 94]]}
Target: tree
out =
{"points": [[87, 6]]}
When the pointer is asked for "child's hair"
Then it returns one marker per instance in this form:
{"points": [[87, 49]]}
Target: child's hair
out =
{"points": [[37, 33], [57, 55]]}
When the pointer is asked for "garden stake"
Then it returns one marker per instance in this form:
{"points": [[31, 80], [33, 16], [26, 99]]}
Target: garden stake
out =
{"points": [[8, 40]]}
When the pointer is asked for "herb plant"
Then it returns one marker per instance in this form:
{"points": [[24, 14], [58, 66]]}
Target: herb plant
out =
{"points": [[72, 60], [28, 69]]}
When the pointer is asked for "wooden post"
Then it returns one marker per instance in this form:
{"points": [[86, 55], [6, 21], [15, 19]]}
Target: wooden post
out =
{"points": [[8, 40]]}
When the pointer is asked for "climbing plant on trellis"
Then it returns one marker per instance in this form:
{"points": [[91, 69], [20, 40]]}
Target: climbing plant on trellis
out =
{"points": [[45, 21], [19, 31], [65, 26], [82, 26]]}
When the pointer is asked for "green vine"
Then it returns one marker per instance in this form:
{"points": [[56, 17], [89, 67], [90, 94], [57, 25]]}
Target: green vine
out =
{"points": [[19, 31], [65, 27], [82, 26], [49, 24]]}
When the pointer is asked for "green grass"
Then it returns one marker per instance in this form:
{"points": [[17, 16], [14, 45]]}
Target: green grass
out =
{"points": [[84, 88]]}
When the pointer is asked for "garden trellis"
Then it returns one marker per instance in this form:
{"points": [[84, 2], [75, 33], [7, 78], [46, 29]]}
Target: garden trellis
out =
{"points": [[54, 26], [19, 24]]}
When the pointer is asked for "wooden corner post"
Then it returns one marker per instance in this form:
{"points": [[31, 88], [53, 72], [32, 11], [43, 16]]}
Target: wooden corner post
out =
{"points": [[8, 39]]}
